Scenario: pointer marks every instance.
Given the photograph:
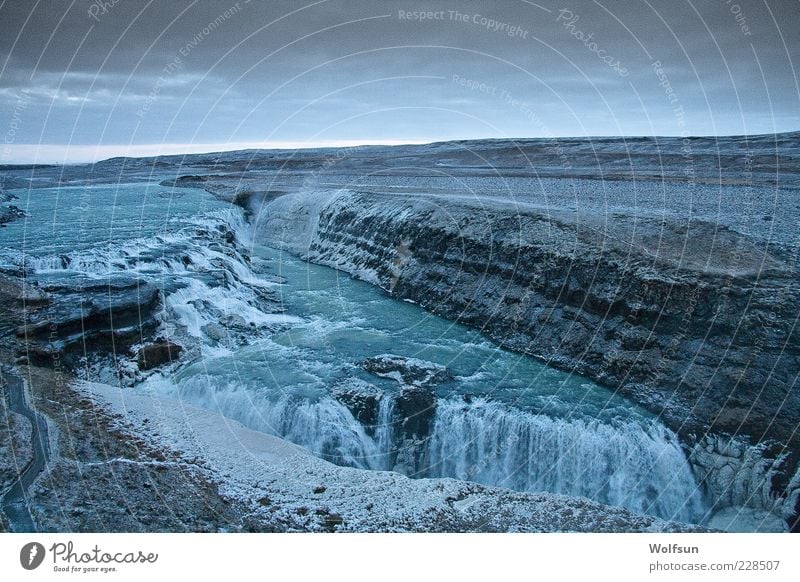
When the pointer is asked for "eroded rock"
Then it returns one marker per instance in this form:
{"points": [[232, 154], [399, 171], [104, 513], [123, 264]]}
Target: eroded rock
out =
{"points": [[737, 474], [158, 354], [361, 398], [405, 370]]}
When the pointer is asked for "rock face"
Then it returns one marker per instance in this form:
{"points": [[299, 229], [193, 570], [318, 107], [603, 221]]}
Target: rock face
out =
{"points": [[736, 474], [413, 418], [689, 319], [402, 419], [15, 445], [73, 317], [415, 409], [16, 294]]}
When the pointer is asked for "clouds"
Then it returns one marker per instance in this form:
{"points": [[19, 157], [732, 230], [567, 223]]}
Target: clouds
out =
{"points": [[216, 71]]}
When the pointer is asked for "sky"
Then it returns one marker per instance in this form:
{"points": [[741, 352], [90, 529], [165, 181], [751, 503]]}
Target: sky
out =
{"points": [[84, 80]]}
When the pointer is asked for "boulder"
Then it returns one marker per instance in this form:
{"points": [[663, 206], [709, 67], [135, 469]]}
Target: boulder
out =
{"points": [[415, 409], [6, 196], [407, 371], [10, 214], [361, 398], [157, 354]]}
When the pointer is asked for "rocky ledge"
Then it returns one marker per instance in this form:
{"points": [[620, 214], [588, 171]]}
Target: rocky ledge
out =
{"points": [[411, 410], [63, 320]]}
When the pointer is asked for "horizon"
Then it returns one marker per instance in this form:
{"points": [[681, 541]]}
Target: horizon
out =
{"points": [[166, 150]]}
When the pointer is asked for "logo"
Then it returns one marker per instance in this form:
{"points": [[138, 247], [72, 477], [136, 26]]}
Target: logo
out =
{"points": [[31, 555]]}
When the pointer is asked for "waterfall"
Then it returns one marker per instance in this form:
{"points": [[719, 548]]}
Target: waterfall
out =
{"points": [[322, 425], [325, 427], [637, 465], [384, 432]]}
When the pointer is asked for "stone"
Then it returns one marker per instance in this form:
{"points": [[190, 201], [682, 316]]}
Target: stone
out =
{"points": [[405, 370], [415, 409], [215, 332], [10, 214], [361, 398], [158, 354]]}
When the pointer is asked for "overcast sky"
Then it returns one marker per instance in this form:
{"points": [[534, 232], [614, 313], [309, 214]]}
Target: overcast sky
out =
{"points": [[138, 77]]}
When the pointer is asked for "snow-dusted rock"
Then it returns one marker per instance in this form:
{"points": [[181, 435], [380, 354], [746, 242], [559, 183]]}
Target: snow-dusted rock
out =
{"points": [[411, 371], [741, 476], [361, 398]]}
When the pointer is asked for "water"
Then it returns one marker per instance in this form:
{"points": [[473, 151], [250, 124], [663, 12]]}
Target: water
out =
{"points": [[62, 220], [276, 339], [631, 464]]}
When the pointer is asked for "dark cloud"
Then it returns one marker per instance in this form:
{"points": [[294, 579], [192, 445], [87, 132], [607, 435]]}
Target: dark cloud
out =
{"points": [[216, 71]]}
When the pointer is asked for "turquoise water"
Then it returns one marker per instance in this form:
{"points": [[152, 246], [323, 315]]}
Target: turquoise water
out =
{"points": [[62, 220], [369, 323]]}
